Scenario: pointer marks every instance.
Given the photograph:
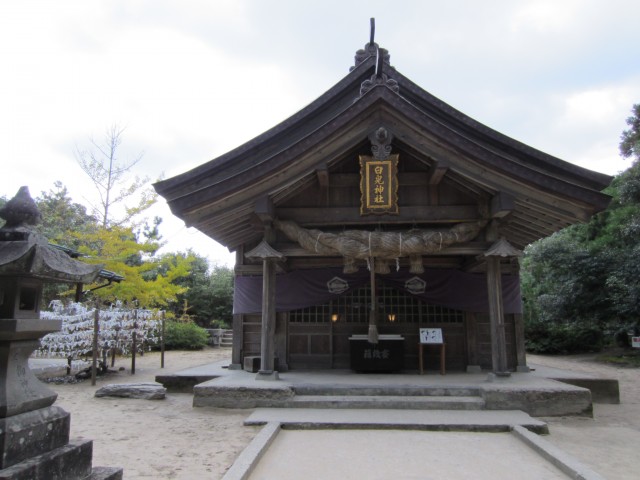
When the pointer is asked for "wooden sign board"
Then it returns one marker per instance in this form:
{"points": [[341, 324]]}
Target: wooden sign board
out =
{"points": [[431, 335], [378, 185]]}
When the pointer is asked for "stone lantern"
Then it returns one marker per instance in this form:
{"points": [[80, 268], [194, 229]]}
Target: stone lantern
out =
{"points": [[34, 434]]}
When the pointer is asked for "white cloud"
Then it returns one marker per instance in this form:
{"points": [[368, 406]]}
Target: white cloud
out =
{"points": [[598, 107], [545, 16]]}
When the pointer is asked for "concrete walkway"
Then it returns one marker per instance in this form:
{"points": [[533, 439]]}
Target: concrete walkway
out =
{"points": [[382, 444], [315, 443]]}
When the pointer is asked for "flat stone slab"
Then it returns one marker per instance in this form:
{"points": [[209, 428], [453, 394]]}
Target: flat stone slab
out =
{"points": [[428, 402], [183, 381], [234, 392], [440, 420], [351, 454], [146, 391], [603, 390]]}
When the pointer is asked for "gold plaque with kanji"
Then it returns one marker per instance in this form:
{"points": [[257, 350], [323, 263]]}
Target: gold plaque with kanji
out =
{"points": [[378, 185]]}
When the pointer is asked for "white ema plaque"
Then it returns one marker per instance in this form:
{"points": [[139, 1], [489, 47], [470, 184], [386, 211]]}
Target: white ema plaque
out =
{"points": [[431, 335]]}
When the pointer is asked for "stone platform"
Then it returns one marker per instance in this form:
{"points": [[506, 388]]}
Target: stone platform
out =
{"points": [[530, 392], [603, 390]]}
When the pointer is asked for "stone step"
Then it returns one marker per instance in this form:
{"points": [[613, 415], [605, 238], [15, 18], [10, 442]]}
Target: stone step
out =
{"points": [[434, 420], [71, 462], [226, 340], [387, 390], [105, 473], [431, 402]]}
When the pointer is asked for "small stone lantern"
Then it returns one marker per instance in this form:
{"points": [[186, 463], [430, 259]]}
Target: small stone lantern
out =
{"points": [[34, 434]]}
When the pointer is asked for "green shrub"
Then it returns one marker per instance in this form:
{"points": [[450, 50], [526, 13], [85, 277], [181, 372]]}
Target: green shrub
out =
{"points": [[546, 337], [185, 336]]}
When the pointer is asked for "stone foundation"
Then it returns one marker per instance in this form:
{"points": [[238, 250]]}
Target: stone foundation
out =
{"points": [[35, 446]]}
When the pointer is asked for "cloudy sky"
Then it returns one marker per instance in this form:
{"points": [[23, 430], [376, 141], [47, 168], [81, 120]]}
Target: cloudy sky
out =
{"points": [[192, 79]]}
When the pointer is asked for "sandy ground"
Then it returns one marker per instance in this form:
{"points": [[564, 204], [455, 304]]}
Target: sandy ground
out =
{"points": [[608, 442], [156, 439], [168, 439]]}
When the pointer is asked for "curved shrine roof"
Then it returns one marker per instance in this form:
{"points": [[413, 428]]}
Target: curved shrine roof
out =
{"points": [[219, 197]]}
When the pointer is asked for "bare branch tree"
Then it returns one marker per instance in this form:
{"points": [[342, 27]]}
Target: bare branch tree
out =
{"points": [[112, 178]]}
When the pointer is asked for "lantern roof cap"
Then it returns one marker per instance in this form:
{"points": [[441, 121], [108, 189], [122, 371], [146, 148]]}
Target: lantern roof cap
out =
{"points": [[26, 253]]}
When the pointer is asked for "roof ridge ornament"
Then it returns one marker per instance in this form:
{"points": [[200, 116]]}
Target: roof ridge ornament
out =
{"points": [[381, 143], [379, 79], [381, 55], [372, 49]]}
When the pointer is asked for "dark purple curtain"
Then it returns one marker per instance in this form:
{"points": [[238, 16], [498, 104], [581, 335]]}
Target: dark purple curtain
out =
{"points": [[448, 288]]}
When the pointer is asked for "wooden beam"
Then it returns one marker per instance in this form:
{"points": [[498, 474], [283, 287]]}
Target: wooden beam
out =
{"points": [[527, 231], [316, 216], [257, 269], [221, 217], [264, 209], [238, 237], [470, 248], [539, 221], [325, 262], [502, 204], [347, 180], [437, 171], [322, 175]]}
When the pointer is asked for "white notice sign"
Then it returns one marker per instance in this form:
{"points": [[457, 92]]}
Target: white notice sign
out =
{"points": [[431, 335]]}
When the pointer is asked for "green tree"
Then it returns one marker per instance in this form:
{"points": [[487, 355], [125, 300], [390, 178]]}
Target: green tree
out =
{"points": [[565, 281], [208, 293], [149, 280], [221, 285], [590, 274], [630, 139], [122, 242], [61, 215]]}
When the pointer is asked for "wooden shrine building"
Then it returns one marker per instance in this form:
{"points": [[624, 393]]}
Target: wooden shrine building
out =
{"points": [[379, 210]]}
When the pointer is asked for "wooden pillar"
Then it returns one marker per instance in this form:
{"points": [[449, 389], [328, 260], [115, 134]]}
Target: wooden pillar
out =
{"points": [[268, 319], [238, 341], [496, 318], [78, 294], [281, 353], [500, 249], [269, 256], [521, 354], [471, 327]]}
